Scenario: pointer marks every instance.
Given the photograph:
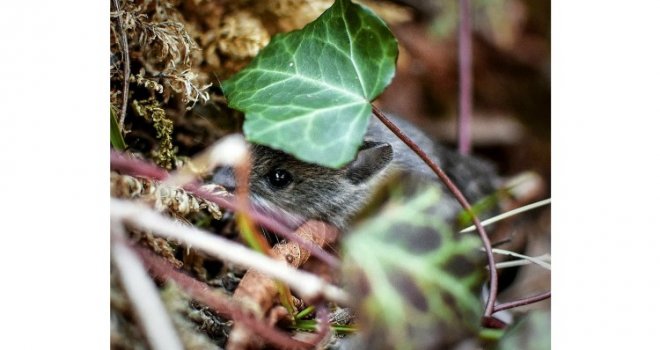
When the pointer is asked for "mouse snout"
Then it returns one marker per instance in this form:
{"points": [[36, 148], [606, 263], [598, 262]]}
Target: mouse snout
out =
{"points": [[225, 177]]}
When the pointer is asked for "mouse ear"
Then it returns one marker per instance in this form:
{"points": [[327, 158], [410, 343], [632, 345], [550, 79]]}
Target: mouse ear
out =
{"points": [[371, 158]]}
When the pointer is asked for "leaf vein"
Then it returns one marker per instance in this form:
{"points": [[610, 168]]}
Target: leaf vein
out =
{"points": [[312, 114], [315, 82], [357, 71]]}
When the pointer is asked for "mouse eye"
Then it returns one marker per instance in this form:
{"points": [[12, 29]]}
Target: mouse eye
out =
{"points": [[279, 178]]}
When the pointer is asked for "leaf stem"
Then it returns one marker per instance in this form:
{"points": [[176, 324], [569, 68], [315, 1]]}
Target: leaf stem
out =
{"points": [[521, 302], [302, 314], [465, 78], [492, 293]]}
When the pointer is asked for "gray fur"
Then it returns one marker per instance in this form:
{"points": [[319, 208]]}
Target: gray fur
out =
{"points": [[336, 195]]}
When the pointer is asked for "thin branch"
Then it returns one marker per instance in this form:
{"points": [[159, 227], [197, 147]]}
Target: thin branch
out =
{"points": [[492, 294], [137, 167], [537, 261], [465, 78], [323, 321], [508, 214], [144, 297], [127, 67], [522, 262], [521, 302], [308, 286]]}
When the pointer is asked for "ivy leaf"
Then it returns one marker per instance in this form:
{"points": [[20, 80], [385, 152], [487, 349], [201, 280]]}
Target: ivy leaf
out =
{"points": [[417, 282], [308, 92]]}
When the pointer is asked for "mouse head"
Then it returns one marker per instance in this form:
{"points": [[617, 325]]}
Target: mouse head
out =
{"points": [[310, 191]]}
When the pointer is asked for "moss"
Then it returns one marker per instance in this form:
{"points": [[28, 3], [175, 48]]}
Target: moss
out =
{"points": [[150, 109]]}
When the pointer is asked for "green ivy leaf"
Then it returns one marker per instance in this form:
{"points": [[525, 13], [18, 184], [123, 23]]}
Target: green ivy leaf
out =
{"points": [[416, 280], [308, 92]]}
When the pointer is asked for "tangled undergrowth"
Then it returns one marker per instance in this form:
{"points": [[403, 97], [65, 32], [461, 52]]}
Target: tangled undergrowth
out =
{"points": [[167, 60]]}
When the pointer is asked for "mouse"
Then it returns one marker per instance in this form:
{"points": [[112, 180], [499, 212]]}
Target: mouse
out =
{"points": [[283, 185]]}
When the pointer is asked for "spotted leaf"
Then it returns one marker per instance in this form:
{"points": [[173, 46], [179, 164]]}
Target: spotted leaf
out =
{"points": [[417, 281]]}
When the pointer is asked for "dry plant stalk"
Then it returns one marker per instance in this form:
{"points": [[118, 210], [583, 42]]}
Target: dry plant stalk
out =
{"points": [[258, 291], [161, 196], [308, 286], [154, 320]]}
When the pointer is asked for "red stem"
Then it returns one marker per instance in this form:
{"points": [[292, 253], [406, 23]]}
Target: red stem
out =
{"points": [[521, 302], [124, 163], [323, 319], [492, 293], [465, 78]]}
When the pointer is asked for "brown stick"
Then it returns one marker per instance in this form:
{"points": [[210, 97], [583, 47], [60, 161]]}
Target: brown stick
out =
{"points": [[492, 293], [464, 77], [521, 302], [323, 319], [127, 68]]}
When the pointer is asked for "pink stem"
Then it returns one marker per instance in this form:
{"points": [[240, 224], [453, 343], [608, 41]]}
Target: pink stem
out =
{"points": [[465, 78]]}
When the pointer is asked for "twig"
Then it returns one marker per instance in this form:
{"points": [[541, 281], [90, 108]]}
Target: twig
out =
{"points": [[465, 78], [142, 292], [521, 302], [323, 320], [220, 303], [508, 214], [537, 261], [521, 262], [308, 286], [492, 293], [127, 67], [121, 162]]}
